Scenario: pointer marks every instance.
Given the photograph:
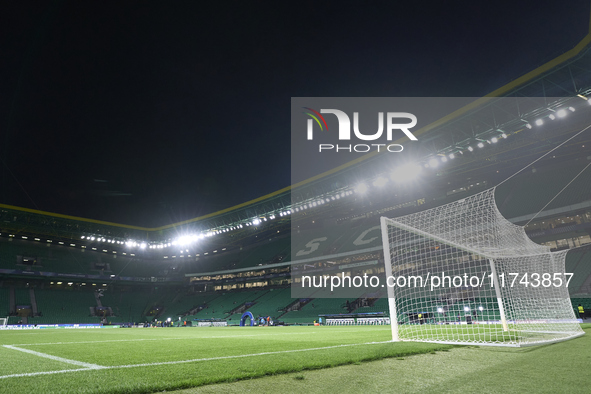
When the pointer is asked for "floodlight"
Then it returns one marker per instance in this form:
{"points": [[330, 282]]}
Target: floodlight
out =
{"points": [[440, 310], [361, 188], [494, 140], [504, 135], [452, 156], [551, 116], [571, 109], [480, 308], [434, 163], [539, 122], [480, 145], [256, 222], [470, 148], [467, 308], [407, 172], [561, 113], [529, 126], [444, 159], [380, 181]]}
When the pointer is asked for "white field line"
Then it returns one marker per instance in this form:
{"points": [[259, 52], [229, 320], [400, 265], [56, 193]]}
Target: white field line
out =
{"points": [[55, 358], [178, 361], [21, 375]]}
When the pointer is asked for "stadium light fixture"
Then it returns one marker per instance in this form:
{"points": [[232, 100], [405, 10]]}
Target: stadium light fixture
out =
{"points": [[504, 135], [571, 109], [380, 181], [529, 126], [470, 149], [552, 117], [539, 122], [480, 308], [256, 222], [561, 113], [407, 172], [467, 309], [480, 145], [494, 140], [361, 188], [440, 310], [444, 159], [433, 163], [452, 156]]}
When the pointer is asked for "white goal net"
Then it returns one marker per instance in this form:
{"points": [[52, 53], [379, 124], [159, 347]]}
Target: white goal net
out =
{"points": [[462, 273]]}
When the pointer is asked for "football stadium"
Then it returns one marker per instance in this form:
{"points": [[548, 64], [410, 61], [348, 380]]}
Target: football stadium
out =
{"points": [[494, 197]]}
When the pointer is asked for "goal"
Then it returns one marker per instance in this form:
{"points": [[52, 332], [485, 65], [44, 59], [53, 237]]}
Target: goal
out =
{"points": [[3, 321], [461, 273]]}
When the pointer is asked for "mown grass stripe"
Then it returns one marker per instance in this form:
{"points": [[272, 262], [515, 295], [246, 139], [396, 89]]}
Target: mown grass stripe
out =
{"points": [[96, 367], [164, 339]]}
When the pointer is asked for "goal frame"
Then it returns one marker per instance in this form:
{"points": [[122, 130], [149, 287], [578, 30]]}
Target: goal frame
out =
{"points": [[384, 221]]}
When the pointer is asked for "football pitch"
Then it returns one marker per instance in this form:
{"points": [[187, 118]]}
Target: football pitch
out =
{"points": [[158, 359]]}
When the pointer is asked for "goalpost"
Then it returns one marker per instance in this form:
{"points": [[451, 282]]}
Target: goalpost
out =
{"points": [[463, 274], [3, 321]]}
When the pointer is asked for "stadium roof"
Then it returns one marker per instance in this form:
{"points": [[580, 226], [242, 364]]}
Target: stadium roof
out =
{"points": [[565, 76]]}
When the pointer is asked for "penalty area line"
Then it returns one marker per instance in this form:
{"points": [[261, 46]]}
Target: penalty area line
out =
{"points": [[94, 367], [55, 358]]}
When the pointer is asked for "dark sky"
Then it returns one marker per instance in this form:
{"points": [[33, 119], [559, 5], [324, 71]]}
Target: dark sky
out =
{"points": [[152, 112]]}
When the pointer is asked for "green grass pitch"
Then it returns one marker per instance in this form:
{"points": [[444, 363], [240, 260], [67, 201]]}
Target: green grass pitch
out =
{"points": [[158, 359]]}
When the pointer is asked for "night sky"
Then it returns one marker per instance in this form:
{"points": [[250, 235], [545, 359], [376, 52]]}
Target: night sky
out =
{"points": [[148, 112]]}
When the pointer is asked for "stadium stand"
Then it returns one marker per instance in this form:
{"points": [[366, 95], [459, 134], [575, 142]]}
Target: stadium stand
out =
{"points": [[578, 261], [64, 307], [221, 307], [128, 305], [4, 301], [270, 303]]}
